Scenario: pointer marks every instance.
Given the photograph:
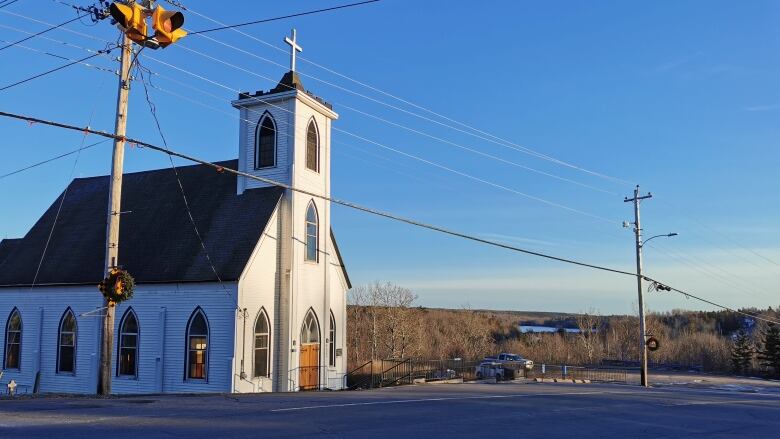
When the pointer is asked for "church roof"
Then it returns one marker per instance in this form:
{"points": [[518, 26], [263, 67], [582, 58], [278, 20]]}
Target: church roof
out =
{"points": [[290, 81], [157, 242]]}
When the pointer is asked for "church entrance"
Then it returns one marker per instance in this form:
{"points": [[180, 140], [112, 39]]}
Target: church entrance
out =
{"points": [[309, 364]]}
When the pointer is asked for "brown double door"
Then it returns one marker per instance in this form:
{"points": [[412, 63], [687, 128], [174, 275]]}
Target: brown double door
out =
{"points": [[310, 367]]}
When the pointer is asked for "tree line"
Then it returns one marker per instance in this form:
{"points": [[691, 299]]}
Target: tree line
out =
{"points": [[384, 321]]}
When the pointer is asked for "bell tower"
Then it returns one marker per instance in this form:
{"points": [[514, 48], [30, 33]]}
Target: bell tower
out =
{"points": [[284, 134], [285, 137]]}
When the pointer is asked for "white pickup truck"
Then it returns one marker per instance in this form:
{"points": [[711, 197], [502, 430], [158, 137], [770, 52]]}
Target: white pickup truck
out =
{"points": [[504, 366]]}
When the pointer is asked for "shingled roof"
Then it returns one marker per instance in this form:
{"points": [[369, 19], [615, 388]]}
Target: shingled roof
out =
{"points": [[157, 240]]}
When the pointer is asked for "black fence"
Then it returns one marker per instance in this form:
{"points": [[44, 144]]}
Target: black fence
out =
{"points": [[393, 372], [594, 374]]}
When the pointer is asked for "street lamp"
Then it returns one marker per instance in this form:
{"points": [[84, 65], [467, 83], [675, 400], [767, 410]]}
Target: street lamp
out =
{"points": [[668, 235]]}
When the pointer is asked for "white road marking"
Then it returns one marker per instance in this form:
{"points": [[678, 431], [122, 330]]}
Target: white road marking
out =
{"points": [[449, 398]]}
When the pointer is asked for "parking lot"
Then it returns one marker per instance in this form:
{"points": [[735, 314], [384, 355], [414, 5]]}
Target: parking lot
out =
{"points": [[509, 409]]}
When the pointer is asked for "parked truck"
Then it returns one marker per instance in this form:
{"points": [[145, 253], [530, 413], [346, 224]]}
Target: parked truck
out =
{"points": [[504, 366]]}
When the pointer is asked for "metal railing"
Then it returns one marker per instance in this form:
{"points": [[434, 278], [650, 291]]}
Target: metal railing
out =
{"points": [[392, 372], [595, 374], [317, 378]]}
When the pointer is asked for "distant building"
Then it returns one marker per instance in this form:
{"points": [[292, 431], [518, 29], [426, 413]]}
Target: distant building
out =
{"points": [[269, 316]]}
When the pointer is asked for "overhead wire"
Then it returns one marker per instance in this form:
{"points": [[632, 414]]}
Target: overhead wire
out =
{"points": [[266, 20], [387, 121], [368, 210], [461, 173], [409, 155], [496, 139], [8, 3], [39, 75], [66, 29], [392, 149], [375, 89], [153, 111], [50, 28], [57, 157], [370, 87], [64, 195]]}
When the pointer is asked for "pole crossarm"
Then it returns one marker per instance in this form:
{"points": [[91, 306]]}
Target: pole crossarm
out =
{"points": [[135, 142]]}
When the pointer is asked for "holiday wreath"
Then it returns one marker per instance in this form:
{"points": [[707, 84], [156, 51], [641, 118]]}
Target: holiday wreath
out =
{"points": [[118, 286]]}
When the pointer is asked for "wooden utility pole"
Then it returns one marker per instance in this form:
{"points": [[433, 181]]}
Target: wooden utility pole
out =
{"points": [[114, 212], [642, 325]]}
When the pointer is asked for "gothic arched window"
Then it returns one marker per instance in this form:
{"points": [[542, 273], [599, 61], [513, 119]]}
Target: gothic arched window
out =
{"points": [[66, 346], [127, 348], [262, 345], [310, 331], [265, 142], [197, 346], [13, 341], [332, 341], [312, 233], [312, 147]]}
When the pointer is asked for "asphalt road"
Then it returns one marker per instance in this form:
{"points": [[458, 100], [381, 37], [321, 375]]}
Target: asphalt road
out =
{"points": [[505, 410]]}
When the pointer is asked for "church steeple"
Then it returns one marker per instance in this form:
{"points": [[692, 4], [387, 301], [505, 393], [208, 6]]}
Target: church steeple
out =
{"points": [[277, 128]]}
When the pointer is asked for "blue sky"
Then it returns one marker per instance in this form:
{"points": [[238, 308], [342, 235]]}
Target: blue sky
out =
{"points": [[680, 97]]}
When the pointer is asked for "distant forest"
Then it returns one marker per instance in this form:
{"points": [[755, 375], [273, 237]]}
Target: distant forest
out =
{"points": [[384, 322]]}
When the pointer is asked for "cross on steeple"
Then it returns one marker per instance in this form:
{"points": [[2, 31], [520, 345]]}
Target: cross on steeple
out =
{"points": [[294, 47]]}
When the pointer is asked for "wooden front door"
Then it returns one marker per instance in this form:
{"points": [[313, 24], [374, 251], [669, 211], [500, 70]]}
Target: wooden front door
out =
{"points": [[310, 367]]}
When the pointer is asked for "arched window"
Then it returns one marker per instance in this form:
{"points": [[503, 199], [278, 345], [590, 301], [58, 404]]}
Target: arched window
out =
{"points": [[312, 147], [332, 341], [197, 346], [66, 348], [127, 363], [262, 345], [265, 142], [312, 233], [13, 341], [310, 331]]}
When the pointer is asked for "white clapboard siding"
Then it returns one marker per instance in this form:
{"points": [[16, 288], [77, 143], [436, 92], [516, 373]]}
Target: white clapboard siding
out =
{"points": [[285, 122], [162, 350], [257, 288]]}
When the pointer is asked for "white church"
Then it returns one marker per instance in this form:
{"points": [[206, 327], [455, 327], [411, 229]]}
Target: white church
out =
{"points": [[262, 309]]}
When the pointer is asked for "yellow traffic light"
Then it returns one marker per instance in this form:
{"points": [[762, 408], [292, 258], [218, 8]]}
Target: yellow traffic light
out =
{"points": [[131, 19], [167, 26]]}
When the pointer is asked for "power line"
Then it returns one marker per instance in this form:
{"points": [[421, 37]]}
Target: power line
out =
{"points": [[370, 87], [79, 61], [492, 138], [463, 174], [53, 159], [381, 145], [266, 20], [51, 28], [250, 110], [64, 194], [372, 211], [8, 3], [153, 111]]}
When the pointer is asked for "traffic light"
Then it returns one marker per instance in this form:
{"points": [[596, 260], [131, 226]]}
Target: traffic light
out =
{"points": [[167, 26], [131, 19]]}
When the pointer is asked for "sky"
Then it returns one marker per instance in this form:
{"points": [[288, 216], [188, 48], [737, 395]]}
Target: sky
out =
{"points": [[680, 97]]}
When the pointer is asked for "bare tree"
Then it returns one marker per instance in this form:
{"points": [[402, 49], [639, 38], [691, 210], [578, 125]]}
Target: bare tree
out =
{"points": [[589, 324]]}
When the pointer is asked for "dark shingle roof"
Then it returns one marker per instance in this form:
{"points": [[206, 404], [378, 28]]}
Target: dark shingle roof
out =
{"points": [[157, 242]]}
